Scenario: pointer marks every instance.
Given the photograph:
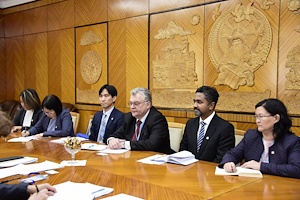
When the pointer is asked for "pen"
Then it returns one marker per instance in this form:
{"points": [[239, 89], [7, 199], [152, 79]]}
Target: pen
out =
{"points": [[6, 181]]}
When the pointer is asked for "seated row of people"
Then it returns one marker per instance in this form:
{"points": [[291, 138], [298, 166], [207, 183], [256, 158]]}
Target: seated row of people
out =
{"points": [[271, 148]]}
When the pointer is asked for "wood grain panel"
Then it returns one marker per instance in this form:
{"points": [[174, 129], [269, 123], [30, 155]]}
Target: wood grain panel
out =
{"points": [[90, 11], [117, 59], [83, 87], [54, 63], [136, 54], [160, 5], [35, 20], [68, 66], [289, 39], [3, 70], [14, 67], [120, 9], [1, 26], [61, 15], [13, 24]]}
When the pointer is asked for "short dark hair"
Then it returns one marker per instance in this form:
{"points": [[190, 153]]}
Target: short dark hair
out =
{"points": [[31, 99], [274, 107], [110, 89], [52, 102], [210, 93]]}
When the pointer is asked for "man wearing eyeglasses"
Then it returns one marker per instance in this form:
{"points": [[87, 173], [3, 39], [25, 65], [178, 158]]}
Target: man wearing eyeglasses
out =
{"points": [[144, 128], [207, 136], [108, 120]]}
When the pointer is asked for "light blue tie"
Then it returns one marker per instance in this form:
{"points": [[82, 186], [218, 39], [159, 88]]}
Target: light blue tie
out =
{"points": [[102, 130], [201, 135]]}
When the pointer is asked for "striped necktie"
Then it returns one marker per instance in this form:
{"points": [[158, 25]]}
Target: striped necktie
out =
{"points": [[136, 135], [201, 135], [102, 130]]}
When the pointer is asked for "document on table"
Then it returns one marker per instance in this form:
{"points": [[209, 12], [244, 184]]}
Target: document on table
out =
{"points": [[240, 172], [152, 160], [29, 168], [79, 191], [113, 151], [62, 140], [22, 139], [122, 196], [93, 146], [24, 160]]}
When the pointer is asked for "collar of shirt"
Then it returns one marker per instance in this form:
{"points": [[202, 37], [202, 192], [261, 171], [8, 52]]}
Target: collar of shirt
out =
{"points": [[107, 113], [207, 120]]}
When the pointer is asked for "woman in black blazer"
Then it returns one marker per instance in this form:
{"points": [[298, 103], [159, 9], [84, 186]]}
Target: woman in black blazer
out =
{"points": [[31, 110]]}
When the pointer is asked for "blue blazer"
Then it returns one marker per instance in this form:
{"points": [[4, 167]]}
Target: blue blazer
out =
{"points": [[114, 122], [63, 126], [14, 191], [284, 154], [18, 120], [218, 139], [154, 135]]}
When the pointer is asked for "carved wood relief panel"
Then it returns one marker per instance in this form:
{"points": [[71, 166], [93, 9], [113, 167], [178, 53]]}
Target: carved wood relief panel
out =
{"points": [[176, 68], [91, 62]]}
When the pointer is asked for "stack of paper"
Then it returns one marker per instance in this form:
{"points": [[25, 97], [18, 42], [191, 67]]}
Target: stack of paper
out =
{"points": [[239, 172], [24, 160], [181, 158], [22, 139], [79, 191]]}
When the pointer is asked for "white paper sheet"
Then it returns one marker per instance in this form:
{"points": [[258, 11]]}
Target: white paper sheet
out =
{"points": [[24, 160], [22, 139]]}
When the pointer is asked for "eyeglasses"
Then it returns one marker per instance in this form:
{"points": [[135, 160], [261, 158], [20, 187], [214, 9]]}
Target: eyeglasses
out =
{"points": [[48, 112], [261, 116], [135, 103]]}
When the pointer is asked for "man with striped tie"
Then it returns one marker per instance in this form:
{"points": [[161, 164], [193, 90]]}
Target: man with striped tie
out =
{"points": [[207, 136]]}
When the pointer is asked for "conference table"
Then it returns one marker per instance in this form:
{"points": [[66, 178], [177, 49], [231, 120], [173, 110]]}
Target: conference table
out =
{"points": [[124, 174]]}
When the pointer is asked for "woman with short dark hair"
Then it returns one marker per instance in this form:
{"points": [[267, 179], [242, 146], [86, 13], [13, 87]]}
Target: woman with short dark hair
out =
{"points": [[271, 148], [55, 121]]}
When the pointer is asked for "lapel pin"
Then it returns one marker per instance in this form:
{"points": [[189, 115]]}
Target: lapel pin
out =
{"points": [[112, 118], [207, 138], [272, 152]]}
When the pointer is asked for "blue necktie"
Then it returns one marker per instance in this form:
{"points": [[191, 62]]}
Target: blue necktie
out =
{"points": [[201, 135]]}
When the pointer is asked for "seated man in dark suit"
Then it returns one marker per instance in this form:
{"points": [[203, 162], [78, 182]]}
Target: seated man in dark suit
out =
{"points": [[108, 120], [144, 128], [212, 140]]}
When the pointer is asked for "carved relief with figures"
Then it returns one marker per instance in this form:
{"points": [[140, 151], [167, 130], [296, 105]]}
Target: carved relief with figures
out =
{"points": [[239, 43]]}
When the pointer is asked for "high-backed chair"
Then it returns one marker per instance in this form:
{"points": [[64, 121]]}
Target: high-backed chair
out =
{"points": [[238, 134], [75, 119], [68, 106], [88, 129], [176, 131], [10, 107]]}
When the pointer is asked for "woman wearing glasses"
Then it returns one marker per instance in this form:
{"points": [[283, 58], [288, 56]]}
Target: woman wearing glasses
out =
{"points": [[55, 121], [271, 148], [31, 110]]}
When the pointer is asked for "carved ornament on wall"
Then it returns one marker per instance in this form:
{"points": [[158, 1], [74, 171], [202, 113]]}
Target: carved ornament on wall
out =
{"points": [[294, 5], [239, 43], [266, 4], [91, 67], [90, 38], [216, 12], [293, 63]]}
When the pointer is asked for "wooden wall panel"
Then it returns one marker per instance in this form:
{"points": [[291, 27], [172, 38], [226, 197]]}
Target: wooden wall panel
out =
{"points": [[289, 61], [13, 24], [90, 12], [91, 62], [265, 77], [1, 26], [35, 20], [61, 62], [161, 5], [176, 56], [120, 9], [14, 67], [3, 70], [61, 15], [117, 59], [36, 63]]}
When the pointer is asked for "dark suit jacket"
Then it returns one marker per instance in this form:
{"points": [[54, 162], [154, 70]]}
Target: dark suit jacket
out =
{"points": [[18, 120], [284, 154], [218, 139], [14, 191], [114, 122], [154, 135], [63, 126]]}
